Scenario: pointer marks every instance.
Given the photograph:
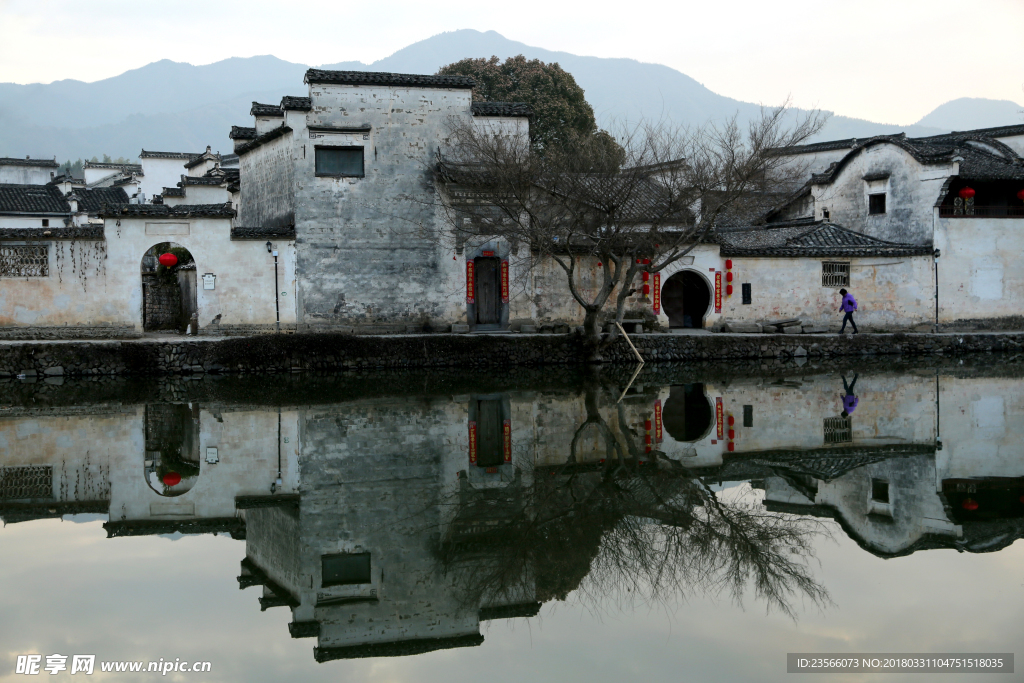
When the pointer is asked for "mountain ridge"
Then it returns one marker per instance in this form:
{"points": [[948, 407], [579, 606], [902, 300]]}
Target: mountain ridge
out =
{"points": [[175, 105]]}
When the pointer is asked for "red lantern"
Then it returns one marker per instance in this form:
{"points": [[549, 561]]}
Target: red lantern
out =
{"points": [[647, 290], [647, 424], [732, 433], [1020, 195], [967, 193], [732, 421], [970, 504], [647, 261], [172, 479], [728, 263], [728, 277], [646, 276], [728, 290], [599, 264], [731, 447], [168, 260]]}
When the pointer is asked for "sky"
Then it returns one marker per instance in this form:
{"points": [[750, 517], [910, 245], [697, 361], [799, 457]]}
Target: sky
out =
{"points": [[890, 62]]}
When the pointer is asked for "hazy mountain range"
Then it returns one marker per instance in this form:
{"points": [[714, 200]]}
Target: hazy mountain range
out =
{"points": [[179, 107]]}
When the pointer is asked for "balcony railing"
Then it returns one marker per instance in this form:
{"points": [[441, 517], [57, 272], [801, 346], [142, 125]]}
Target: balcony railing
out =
{"points": [[982, 212]]}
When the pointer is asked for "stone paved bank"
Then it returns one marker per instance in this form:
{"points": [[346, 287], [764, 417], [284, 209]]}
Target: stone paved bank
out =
{"points": [[331, 352]]}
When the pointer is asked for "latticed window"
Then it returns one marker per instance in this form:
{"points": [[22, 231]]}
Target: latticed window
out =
{"points": [[838, 429], [29, 481], [835, 274], [24, 260]]}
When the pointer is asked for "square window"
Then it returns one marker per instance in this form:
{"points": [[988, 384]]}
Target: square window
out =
{"points": [[46, 222], [339, 162], [748, 416], [344, 569], [838, 429], [876, 203], [835, 274], [747, 297], [25, 260], [880, 490]]}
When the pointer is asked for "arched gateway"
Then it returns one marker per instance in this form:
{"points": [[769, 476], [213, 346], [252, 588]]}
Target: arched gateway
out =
{"points": [[686, 298]]}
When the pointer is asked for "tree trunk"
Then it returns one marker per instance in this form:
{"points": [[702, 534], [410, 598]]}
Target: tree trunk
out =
{"points": [[592, 336]]}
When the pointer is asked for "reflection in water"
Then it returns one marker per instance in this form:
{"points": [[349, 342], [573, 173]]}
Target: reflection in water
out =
{"points": [[393, 522]]}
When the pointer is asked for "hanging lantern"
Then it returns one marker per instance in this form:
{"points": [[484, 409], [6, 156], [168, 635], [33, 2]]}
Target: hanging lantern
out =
{"points": [[168, 260], [731, 420], [1020, 195], [728, 290], [172, 479], [599, 264], [647, 290], [728, 277], [647, 261], [646, 276], [970, 504], [731, 447], [967, 193], [728, 263], [647, 424]]}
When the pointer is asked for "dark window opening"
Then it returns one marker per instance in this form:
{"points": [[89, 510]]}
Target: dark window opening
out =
{"points": [[747, 296], [345, 569], [748, 416], [876, 203], [339, 162], [879, 490], [46, 222]]}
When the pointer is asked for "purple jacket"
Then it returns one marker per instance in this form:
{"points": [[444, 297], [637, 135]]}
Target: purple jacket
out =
{"points": [[849, 303], [850, 403]]}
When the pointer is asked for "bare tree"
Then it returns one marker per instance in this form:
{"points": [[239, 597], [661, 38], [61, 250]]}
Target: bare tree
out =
{"points": [[634, 207]]}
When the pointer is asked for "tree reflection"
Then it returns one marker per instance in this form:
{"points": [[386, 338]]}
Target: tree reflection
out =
{"points": [[632, 525]]}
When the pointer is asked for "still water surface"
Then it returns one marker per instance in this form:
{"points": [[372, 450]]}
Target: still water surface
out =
{"points": [[552, 526]]}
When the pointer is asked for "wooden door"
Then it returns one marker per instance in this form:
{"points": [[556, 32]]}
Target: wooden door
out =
{"points": [[488, 291]]}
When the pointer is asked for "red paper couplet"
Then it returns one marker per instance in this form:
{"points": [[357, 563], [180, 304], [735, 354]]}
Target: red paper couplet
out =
{"points": [[719, 417], [504, 282], [506, 433], [472, 442], [656, 301], [718, 291], [470, 287]]}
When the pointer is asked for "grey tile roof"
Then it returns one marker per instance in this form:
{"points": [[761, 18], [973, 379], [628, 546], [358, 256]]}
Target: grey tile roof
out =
{"points": [[127, 168], [501, 109], [11, 161], [387, 79], [201, 180], [94, 199], [144, 154], [46, 199], [127, 180], [296, 103], [848, 143], [810, 239], [263, 139], [265, 110], [242, 133], [82, 232], [165, 211], [173, 192]]}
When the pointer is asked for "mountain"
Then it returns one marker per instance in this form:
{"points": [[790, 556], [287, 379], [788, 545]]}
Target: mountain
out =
{"points": [[966, 113], [174, 106]]}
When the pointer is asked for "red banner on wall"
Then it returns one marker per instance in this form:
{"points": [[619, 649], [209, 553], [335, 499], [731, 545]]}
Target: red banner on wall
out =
{"points": [[506, 440], [719, 417], [472, 442], [657, 421], [470, 285], [504, 282], [656, 290], [718, 292]]}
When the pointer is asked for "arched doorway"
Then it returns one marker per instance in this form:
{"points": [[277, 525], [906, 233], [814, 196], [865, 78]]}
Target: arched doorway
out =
{"points": [[172, 448], [168, 288], [687, 415], [686, 298]]}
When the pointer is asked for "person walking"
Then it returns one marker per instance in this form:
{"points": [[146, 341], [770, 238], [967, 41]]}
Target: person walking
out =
{"points": [[848, 306]]}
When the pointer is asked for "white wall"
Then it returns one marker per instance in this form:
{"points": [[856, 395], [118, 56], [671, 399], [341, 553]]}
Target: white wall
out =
{"points": [[981, 274]]}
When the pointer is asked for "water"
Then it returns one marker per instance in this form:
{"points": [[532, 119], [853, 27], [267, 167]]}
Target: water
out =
{"points": [[540, 525]]}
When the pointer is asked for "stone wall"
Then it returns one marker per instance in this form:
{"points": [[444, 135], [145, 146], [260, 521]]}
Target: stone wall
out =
{"points": [[333, 352], [162, 304]]}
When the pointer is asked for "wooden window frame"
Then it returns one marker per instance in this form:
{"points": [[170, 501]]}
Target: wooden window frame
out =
{"points": [[362, 158], [835, 273]]}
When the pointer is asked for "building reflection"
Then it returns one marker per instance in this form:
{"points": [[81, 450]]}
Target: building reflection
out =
{"points": [[395, 524]]}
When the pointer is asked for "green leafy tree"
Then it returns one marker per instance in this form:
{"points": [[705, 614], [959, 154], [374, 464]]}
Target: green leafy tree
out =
{"points": [[561, 113]]}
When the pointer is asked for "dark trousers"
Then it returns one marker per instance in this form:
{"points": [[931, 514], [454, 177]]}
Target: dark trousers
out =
{"points": [[848, 317]]}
